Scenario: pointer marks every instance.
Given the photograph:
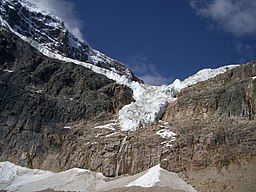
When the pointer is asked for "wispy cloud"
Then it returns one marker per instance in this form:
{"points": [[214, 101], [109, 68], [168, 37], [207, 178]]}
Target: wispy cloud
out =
{"points": [[245, 51], [65, 9], [235, 16], [146, 71]]}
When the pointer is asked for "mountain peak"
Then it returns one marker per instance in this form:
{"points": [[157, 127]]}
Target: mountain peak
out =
{"points": [[49, 31]]}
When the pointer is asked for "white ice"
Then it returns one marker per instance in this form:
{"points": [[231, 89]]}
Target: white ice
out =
{"points": [[149, 179], [18, 176], [20, 179]]}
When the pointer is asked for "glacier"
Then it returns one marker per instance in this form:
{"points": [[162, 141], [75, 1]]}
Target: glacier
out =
{"points": [[150, 101]]}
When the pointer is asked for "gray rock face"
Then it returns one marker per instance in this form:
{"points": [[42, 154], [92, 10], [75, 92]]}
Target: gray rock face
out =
{"points": [[215, 122], [53, 92], [112, 153], [41, 99]]}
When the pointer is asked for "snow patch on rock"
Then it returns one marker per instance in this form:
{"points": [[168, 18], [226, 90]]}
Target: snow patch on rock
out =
{"points": [[110, 126], [200, 76], [166, 134]]}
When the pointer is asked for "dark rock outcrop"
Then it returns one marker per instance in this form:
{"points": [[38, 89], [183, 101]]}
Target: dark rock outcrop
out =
{"points": [[49, 92]]}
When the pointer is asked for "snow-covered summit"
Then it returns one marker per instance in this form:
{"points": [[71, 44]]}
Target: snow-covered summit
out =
{"points": [[43, 27]]}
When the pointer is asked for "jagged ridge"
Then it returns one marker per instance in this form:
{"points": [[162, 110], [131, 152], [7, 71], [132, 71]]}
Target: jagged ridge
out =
{"points": [[50, 31]]}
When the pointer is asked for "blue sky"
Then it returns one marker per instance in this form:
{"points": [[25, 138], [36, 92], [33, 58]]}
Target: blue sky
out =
{"points": [[161, 40]]}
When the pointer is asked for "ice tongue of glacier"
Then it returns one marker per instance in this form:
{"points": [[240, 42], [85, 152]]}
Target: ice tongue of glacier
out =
{"points": [[150, 101]]}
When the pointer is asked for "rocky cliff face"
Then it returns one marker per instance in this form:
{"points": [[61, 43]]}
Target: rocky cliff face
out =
{"points": [[41, 99], [55, 92], [216, 136], [51, 114], [215, 123]]}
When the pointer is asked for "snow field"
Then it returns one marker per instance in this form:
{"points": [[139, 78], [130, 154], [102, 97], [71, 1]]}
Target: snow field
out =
{"points": [[20, 179]]}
